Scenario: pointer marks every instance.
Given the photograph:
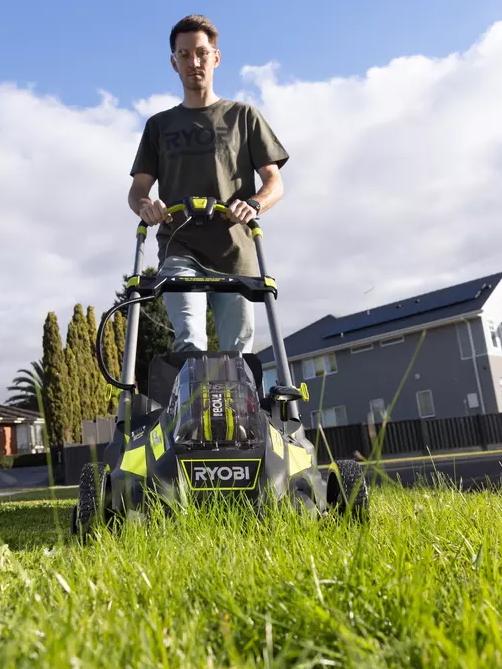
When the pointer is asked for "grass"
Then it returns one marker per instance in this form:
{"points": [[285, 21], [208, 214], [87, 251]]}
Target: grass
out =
{"points": [[48, 493], [419, 586]]}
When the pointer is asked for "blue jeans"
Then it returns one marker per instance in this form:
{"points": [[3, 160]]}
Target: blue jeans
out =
{"points": [[233, 314]]}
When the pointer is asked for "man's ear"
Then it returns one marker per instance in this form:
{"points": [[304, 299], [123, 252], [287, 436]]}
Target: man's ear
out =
{"points": [[174, 64], [217, 59]]}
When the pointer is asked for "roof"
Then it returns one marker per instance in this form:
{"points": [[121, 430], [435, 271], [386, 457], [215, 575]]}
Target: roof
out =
{"points": [[12, 414], [445, 303]]}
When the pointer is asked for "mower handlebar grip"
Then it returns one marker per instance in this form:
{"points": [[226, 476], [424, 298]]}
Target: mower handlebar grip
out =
{"points": [[220, 207], [179, 206]]}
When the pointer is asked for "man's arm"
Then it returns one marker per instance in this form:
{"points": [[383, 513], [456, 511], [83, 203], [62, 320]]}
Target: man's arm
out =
{"points": [[150, 212], [270, 192]]}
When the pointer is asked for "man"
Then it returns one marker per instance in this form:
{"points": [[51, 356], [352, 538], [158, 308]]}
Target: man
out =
{"points": [[211, 147]]}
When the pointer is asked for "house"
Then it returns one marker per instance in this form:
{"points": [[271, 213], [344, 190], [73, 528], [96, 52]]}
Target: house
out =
{"points": [[21, 431], [433, 355]]}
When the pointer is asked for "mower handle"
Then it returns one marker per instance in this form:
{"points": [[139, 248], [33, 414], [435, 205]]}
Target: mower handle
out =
{"points": [[180, 206], [202, 206]]}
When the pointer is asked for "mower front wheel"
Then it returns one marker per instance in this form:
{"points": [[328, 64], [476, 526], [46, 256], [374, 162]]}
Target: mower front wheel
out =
{"points": [[94, 499], [347, 490]]}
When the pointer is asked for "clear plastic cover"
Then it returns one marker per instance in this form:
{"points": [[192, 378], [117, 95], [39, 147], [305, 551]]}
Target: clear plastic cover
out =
{"points": [[214, 400]]}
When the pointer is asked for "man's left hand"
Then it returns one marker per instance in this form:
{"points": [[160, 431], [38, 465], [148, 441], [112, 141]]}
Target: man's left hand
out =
{"points": [[241, 212]]}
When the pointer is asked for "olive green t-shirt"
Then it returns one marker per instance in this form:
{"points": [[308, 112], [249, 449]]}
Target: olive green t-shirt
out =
{"points": [[210, 151]]}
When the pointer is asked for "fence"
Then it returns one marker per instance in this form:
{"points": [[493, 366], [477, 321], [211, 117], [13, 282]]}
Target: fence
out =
{"points": [[410, 436], [76, 456]]}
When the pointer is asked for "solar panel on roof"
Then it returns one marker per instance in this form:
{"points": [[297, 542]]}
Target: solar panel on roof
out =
{"points": [[439, 299]]}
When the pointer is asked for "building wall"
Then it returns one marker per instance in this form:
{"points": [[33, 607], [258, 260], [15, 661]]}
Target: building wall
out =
{"points": [[461, 383], [495, 362], [7, 440]]}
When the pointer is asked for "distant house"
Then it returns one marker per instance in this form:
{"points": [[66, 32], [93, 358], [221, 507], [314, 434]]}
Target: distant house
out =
{"points": [[442, 350], [21, 431]]}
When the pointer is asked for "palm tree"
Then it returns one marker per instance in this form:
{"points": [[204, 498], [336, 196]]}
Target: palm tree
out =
{"points": [[25, 385]]}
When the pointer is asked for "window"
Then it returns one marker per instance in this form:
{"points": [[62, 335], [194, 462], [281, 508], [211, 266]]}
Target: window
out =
{"points": [[425, 404], [319, 366], [493, 334], [391, 341], [377, 410], [330, 363], [360, 349], [330, 417], [269, 379]]}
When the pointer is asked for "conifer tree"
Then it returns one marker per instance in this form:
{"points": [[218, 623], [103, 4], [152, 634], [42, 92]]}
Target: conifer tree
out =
{"points": [[100, 387], [111, 360], [119, 330], [78, 340], [56, 382], [155, 334], [74, 409], [212, 338], [90, 317]]}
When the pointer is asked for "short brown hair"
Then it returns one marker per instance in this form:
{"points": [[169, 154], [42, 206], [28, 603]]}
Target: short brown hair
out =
{"points": [[192, 24]]}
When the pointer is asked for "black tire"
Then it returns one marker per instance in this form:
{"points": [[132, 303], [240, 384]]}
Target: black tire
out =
{"points": [[303, 499], [347, 490], [93, 500], [305, 504], [74, 528]]}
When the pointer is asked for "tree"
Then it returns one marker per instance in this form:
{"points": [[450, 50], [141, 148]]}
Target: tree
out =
{"points": [[111, 360], [100, 387], [155, 333], [74, 414], [213, 343], [25, 385], [119, 331], [77, 340], [56, 382]]}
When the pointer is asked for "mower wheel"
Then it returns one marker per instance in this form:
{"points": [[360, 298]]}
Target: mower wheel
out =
{"points": [[93, 498], [305, 504], [347, 490]]}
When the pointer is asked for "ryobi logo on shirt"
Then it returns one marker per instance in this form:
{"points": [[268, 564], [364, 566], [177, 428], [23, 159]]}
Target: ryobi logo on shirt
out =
{"points": [[196, 138], [222, 474]]}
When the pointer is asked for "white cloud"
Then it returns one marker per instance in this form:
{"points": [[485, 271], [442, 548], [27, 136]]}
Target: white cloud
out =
{"points": [[393, 182], [66, 232], [393, 188], [155, 103]]}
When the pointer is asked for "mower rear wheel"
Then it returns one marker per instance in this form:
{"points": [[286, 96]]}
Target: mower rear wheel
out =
{"points": [[93, 501], [347, 490]]}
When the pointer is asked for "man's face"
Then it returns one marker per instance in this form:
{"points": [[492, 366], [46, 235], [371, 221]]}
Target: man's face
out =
{"points": [[195, 59]]}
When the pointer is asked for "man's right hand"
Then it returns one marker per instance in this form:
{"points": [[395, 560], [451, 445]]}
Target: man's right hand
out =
{"points": [[153, 213]]}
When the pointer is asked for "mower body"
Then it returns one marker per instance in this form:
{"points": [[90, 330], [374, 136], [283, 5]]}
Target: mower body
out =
{"points": [[206, 427]]}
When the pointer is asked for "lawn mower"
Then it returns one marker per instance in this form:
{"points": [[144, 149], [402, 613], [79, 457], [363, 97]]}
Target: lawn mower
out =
{"points": [[206, 426]]}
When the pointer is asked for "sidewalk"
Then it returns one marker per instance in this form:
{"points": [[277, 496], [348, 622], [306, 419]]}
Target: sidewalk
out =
{"points": [[24, 477]]}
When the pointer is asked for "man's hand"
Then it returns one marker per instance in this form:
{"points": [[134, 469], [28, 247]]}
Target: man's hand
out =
{"points": [[153, 213], [241, 212]]}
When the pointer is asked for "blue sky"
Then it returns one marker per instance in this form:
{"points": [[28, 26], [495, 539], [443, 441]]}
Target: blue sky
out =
{"points": [[72, 48]]}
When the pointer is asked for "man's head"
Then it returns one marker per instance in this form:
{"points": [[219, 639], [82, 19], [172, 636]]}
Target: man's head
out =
{"points": [[195, 54]]}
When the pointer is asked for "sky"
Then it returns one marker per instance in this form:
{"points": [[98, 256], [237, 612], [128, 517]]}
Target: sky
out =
{"points": [[390, 111]]}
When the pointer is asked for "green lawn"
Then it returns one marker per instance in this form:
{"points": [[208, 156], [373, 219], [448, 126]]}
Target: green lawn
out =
{"points": [[28, 494], [420, 586]]}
